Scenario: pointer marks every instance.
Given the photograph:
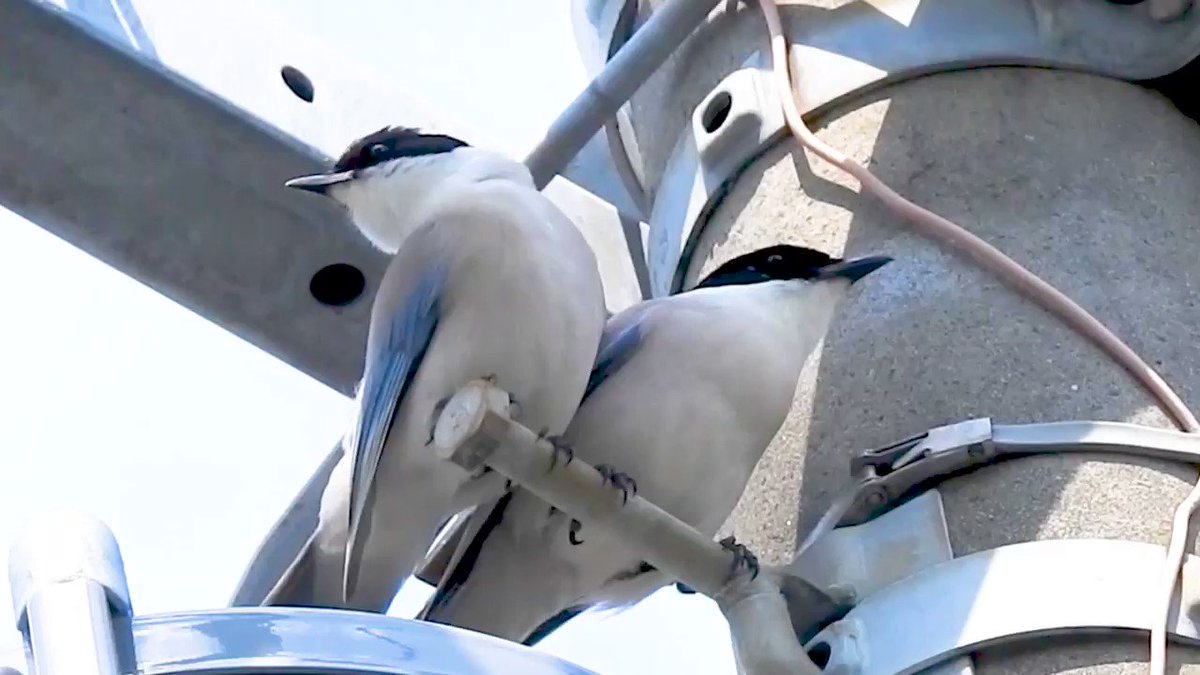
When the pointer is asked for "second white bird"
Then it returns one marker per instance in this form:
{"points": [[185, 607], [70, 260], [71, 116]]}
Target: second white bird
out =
{"points": [[686, 394]]}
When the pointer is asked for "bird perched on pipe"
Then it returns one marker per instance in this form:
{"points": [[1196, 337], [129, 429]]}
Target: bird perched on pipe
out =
{"points": [[488, 280], [686, 394]]}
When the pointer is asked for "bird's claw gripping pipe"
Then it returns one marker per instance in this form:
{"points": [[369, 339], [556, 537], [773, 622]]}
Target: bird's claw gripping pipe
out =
{"points": [[742, 557], [475, 427], [608, 476], [621, 481], [562, 451]]}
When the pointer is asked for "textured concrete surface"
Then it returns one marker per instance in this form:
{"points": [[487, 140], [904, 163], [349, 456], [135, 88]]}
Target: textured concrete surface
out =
{"points": [[1091, 184]]}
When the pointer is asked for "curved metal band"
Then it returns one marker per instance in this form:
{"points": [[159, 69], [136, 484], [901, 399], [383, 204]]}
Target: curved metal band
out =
{"points": [[887, 477], [1009, 594], [328, 641], [71, 601], [618, 131], [856, 48]]}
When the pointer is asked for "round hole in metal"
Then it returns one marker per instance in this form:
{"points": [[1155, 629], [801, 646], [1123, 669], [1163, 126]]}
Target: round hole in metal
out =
{"points": [[820, 653], [298, 83], [337, 285], [716, 111]]}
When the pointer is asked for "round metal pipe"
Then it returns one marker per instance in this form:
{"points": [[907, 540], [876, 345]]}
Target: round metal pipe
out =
{"points": [[70, 630], [629, 68], [70, 597]]}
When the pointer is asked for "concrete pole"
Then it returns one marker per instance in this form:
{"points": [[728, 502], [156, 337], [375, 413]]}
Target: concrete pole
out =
{"points": [[1088, 181]]}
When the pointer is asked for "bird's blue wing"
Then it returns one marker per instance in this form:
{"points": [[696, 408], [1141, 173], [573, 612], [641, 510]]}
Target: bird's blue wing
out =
{"points": [[388, 377], [466, 563], [618, 343], [620, 340]]}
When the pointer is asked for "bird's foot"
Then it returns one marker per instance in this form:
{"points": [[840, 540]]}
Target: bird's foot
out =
{"points": [[561, 449], [573, 533], [742, 557], [627, 485]]}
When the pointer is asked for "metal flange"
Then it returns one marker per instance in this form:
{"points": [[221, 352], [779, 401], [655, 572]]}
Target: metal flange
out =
{"points": [[845, 53], [1002, 596]]}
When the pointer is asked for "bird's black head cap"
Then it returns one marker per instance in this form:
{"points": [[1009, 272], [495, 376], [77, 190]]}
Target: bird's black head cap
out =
{"points": [[393, 143], [784, 262]]}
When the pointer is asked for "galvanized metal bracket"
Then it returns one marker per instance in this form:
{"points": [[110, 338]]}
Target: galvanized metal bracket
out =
{"points": [[853, 563], [1002, 596], [886, 476], [851, 553], [863, 45], [738, 121], [857, 48]]}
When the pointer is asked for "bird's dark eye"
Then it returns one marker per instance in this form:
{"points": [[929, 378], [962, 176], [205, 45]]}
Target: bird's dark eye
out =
{"points": [[378, 150]]}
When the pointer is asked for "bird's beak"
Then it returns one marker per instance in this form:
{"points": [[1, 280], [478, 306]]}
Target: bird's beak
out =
{"points": [[854, 269], [319, 182]]}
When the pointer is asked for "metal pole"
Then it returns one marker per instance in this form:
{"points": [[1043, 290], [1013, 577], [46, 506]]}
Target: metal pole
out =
{"points": [[70, 597], [70, 630], [629, 68]]}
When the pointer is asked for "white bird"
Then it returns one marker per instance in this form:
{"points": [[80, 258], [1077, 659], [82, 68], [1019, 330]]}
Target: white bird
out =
{"points": [[489, 280], [686, 394]]}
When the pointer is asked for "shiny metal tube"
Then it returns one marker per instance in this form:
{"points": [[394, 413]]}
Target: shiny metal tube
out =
{"points": [[629, 68], [70, 597], [70, 630]]}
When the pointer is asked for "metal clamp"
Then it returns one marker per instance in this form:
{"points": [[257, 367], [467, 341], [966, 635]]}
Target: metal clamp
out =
{"points": [[858, 48], [1005, 595], [888, 475], [853, 563], [889, 502]]}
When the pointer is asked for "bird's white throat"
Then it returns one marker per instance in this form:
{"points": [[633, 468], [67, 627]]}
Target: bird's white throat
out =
{"points": [[387, 202]]}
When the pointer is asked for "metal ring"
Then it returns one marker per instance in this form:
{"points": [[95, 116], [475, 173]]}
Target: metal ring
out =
{"points": [[1009, 594], [857, 48]]}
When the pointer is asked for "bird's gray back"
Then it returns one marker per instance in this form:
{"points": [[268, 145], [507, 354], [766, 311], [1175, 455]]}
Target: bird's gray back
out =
{"points": [[515, 303]]}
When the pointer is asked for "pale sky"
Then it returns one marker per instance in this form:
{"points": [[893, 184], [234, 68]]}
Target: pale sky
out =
{"points": [[187, 441]]}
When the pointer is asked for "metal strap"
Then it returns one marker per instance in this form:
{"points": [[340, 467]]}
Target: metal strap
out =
{"points": [[1013, 593], [889, 475]]}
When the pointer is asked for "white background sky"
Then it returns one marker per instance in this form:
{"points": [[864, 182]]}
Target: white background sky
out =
{"points": [[188, 441]]}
